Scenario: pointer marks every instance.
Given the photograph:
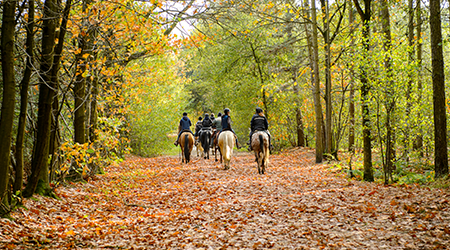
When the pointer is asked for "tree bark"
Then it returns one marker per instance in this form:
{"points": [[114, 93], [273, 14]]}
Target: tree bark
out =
{"points": [[351, 108], [328, 103], [18, 183], [47, 90], [406, 141], [418, 144], [365, 88], [316, 88], [440, 115], [9, 93], [389, 96], [298, 114]]}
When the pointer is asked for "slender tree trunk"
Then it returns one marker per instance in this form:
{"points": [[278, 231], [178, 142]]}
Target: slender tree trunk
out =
{"points": [[18, 183], [351, 131], [316, 88], [389, 98], [406, 141], [54, 137], [93, 111], [328, 103], [440, 115], [47, 90], [9, 93], [365, 88], [299, 119], [418, 145]]}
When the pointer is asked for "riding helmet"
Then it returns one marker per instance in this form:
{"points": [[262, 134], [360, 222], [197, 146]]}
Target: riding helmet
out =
{"points": [[259, 110], [184, 114], [219, 114], [200, 118], [226, 111]]}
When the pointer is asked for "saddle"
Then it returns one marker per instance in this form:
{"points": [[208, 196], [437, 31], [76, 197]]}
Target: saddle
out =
{"points": [[206, 129]]}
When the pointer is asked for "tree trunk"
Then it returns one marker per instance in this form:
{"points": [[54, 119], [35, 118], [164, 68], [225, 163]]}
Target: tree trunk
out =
{"points": [[440, 115], [55, 133], [46, 94], [389, 97], [351, 108], [418, 144], [93, 117], [406, 141], [316, 88], [18, 181], [299, 119], [365, 17], [328, 104], [9, 93]]}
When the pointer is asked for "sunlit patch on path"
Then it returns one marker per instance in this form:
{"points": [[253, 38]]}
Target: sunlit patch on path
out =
{"points": [[160, 203]]}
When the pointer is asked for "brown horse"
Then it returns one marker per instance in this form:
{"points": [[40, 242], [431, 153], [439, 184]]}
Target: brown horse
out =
{"points": [[186, 142], [260, 144]]}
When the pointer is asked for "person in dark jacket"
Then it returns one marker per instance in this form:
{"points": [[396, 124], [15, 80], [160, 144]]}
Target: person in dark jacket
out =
{"points": [[226, 124], [207, 123], [198, 126], [259, 123], [185, 126]]}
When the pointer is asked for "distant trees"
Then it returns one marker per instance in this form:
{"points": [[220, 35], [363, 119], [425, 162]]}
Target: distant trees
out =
{"points": [[362, 55]]}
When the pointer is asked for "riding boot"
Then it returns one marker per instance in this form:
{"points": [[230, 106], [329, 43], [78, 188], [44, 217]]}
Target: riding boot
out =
{"points": [[237, 144], [175, 143]]}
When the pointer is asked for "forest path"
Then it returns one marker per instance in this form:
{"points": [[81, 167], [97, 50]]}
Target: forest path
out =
{"points": [[159, 203]]}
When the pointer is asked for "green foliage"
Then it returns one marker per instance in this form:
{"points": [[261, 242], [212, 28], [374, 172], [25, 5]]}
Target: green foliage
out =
{"points": [[156, 100]]}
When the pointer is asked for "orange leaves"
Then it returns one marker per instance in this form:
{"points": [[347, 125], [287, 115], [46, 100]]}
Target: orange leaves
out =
{"points": [[159, 203]]}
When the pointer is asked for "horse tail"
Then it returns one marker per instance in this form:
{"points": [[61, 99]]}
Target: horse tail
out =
{"points": [[207, 141], [186, 148], [261, 144]]}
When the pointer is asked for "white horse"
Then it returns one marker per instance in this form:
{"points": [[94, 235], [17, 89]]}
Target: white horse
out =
{"points": [[226, 144], [260, 144]]}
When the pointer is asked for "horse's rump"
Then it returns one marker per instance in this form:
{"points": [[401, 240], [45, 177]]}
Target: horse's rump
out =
{"points": [[260, 144], [205, 137], [226, 144], [186, 144]]}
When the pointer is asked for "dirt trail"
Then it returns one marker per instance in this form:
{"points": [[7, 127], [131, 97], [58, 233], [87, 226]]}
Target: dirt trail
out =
{"points": [[158, 203]]}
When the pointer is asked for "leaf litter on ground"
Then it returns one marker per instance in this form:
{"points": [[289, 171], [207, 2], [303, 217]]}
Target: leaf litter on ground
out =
{"points": [[159, 203]]}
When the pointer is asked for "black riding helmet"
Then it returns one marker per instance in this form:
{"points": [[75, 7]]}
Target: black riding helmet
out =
{"points": [[219, 114], [200, 118], [259, 110], [184, 114], [226, 111]]}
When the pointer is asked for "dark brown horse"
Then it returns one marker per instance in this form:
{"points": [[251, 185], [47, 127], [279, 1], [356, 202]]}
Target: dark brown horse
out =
{"points": [[260, 144], [186, 142]]}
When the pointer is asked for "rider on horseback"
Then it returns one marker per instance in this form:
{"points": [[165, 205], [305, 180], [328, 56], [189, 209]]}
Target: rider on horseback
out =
{"points": [[185, 126], [259, 123], [207, 123], [226, 124], [198, 126], [217, 126]]}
